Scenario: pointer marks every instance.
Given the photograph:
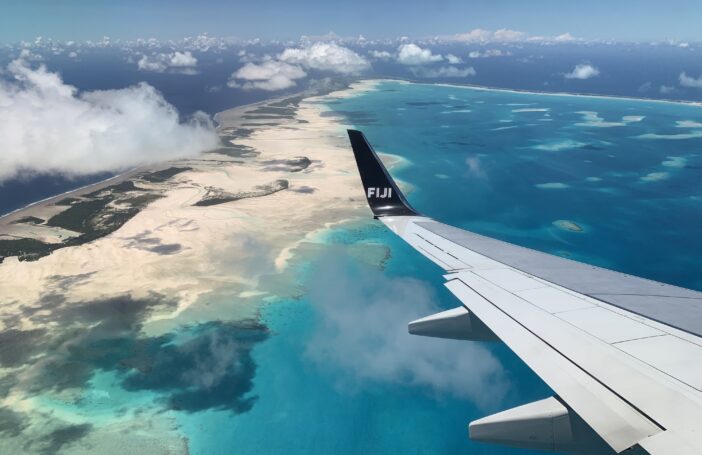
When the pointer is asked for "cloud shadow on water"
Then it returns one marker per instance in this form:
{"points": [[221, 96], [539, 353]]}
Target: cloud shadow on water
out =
{"points": [[361, 332]]}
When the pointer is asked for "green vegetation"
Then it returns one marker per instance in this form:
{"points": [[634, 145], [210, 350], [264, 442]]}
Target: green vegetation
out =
{"points": [[107, 210], [237, 151], [78, 216], [25, 249], [121, 187], [164, 174], [67, 201]]}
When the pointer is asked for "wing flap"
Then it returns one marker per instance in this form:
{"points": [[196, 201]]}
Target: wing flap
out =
{"points": [[619, 424]]}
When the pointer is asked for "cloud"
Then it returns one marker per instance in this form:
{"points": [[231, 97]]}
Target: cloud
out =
{"points": [[50, 127], [690, 82], [182, 59], [29, 56], [411, 54], [283, 71], [326, 57], [362, 333], [151, 64], [505, 35], [582, 72], [564, 38], [271, 75], [483, 36], [443, 71], [453, 59], [489, 53], [178, 62], [381, 55]]}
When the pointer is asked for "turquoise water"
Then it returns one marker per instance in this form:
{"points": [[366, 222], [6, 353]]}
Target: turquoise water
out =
{"points": [[633, 184], [521, 167], [612, 182], [310, 405]]}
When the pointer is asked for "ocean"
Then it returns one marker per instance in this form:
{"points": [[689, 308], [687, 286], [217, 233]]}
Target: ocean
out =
{"points": [[612, 182]]}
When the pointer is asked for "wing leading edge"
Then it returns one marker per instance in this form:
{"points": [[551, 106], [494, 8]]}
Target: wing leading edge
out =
{"points": [[623, 354]]}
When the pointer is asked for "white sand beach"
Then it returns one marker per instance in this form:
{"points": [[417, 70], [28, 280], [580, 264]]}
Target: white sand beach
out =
{"points": [[227, 245]]}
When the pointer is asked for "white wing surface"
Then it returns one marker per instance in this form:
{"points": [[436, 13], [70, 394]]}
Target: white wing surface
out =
{"points": [[623, 354]]}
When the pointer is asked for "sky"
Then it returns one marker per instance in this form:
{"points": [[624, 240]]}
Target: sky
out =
{"points": [[619, 20]]}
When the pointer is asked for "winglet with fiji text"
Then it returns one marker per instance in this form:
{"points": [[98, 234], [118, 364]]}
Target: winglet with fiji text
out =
{"points": [[383, 195]]}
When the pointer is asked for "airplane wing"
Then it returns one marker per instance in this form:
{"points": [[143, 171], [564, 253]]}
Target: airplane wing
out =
{"points": [[623, 354]]}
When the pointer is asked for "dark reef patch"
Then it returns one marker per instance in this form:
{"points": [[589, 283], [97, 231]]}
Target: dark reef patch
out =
{"points": [[211, 370], [296, 164], [18, 346], [203, 366], [11, 423], [143, 241], [303, 189], [64, 282], [54, 441], [236, 151]]}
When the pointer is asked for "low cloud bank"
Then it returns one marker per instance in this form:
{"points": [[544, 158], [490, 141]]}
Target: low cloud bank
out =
{"points": [[443, 71], [362, 331], [49, 126], [292, 64], [271, 75], [178, 62]]}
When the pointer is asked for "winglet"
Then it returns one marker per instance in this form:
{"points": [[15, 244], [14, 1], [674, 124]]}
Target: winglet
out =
{"points": [[383, 195]]}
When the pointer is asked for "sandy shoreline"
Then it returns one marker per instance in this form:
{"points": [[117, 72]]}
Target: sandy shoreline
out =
{"points": [[323, 193]]}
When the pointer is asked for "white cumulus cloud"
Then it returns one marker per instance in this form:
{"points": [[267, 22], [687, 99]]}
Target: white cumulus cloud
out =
{"points": [[443, 71], [489, 53], [411, 54], [50, 127], [381, 55], [479, 35], [689, 81], [180, 62], [583, 71], [453, 59], [505, 35], [182, 59], [270, 75], [151, 64], [326, 57]]}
